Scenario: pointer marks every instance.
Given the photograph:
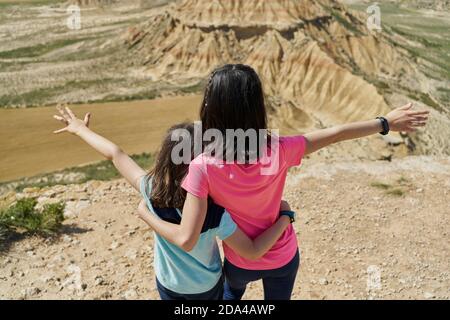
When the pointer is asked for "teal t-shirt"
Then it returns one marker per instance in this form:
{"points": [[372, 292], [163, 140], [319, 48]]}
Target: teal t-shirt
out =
{"points": [[199, 270]]}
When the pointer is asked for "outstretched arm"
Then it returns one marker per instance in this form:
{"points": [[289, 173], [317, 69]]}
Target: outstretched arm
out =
{"points": [[256, 248], [184, 235], [401, 119], [127, 167]]}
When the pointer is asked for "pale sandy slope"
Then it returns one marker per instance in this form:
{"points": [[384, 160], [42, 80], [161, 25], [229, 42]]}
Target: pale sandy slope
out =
{"points": [[345, 225]]}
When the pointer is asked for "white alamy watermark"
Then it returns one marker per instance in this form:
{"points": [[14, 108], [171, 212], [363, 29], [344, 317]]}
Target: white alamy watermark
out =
{"points": [[235, 146], [374, 19], [73, 22], [373, 278]]}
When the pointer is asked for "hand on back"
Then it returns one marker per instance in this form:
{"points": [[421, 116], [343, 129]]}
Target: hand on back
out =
{"points": [[284, 206], [142, 209]]}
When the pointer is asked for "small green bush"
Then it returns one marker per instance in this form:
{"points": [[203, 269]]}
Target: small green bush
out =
{"points": [[398, 189], [24, 217], [380, 185], [395, 192], [3, 233]]}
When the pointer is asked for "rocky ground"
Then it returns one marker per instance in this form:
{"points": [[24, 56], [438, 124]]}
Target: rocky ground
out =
{"points": [[354, 218]]}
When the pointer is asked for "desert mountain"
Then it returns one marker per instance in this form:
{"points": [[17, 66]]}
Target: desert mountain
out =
{"points": [[318, 61]]}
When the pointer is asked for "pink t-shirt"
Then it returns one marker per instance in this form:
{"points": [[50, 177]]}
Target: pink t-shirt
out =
{"points": [[252, 194]]}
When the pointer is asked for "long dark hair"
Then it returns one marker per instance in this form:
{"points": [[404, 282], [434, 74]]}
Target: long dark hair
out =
{"points": [[234, 99], [168, 176]]}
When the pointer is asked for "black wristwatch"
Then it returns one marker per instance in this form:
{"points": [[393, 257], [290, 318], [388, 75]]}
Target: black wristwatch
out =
{"points": [[290, 214], [385, 125]]}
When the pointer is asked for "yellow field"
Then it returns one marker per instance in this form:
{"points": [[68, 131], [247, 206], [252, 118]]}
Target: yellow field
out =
{"points": [[28, 146]]}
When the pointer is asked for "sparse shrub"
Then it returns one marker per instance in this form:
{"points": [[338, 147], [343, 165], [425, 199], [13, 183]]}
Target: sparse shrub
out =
{"points": [[23, 217], [395, 192], [3, 233], [52, 217], [402, 180], [380, 185]]}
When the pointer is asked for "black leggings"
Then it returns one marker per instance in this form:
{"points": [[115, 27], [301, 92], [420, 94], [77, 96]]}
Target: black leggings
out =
{"points": [[215, 293], [278, 283]]}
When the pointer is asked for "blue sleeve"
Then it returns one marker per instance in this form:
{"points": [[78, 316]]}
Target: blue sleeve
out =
{"points": [[227, 226], [145, 192]]}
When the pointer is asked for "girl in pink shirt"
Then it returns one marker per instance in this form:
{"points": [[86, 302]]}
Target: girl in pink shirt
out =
{"points": [[248, 179]]}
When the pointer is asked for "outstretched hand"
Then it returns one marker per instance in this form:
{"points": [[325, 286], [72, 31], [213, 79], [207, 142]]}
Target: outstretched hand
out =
{"points": [[73, 124], [406, 120]]}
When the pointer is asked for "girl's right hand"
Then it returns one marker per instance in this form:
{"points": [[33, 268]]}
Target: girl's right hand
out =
{"points": [[73, 124], [142, 209]]}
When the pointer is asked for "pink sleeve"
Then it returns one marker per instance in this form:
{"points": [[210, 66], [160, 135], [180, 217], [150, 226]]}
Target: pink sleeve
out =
{"points": [[196, 181], [294, 149]]}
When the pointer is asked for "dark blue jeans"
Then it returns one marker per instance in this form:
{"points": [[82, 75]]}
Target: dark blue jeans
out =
{"points": [[278, 283], [215, 293]]}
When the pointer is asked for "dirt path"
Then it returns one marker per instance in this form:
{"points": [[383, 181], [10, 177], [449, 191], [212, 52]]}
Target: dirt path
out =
{"points": [[28, 146], [347, 225]]}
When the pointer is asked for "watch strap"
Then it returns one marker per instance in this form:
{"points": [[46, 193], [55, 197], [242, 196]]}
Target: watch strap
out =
{"points": [[290, 214], [385, 125]]}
